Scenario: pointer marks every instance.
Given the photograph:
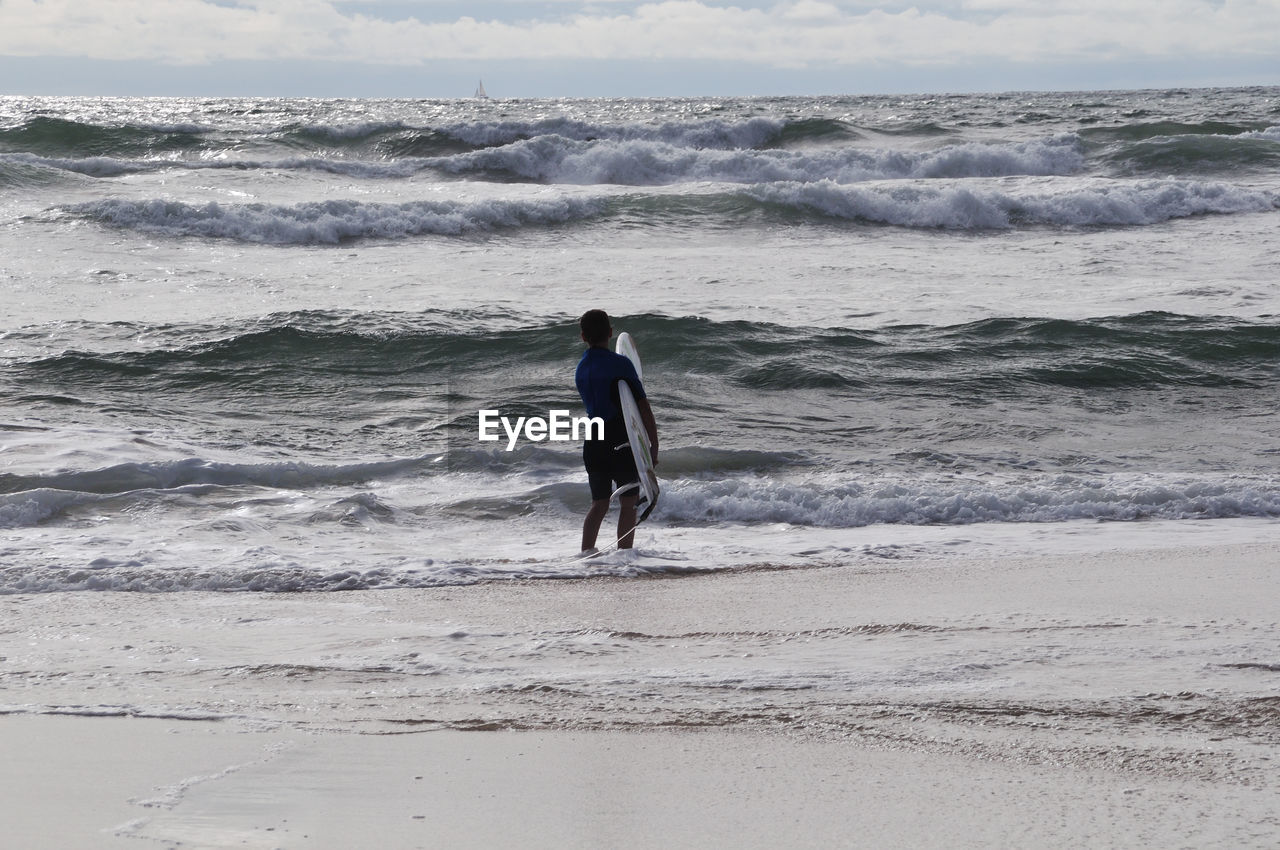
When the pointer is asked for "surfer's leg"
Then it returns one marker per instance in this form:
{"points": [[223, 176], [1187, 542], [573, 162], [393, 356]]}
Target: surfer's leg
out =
{"points": [[591, 525], [626, 521], [624, 472], [598, 459]]}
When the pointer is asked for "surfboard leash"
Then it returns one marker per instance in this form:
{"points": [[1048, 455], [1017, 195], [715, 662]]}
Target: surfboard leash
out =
{"points": [[583, 556]]}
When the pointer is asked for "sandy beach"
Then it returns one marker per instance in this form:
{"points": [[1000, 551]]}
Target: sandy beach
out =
{"points": [[119, 783], [1107, 751]]}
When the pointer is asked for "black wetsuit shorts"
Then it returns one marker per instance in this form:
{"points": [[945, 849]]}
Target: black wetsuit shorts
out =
{"points": [[609, 461]]}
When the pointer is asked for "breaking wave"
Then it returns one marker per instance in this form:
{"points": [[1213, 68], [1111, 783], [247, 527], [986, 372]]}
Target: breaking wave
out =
{"points": [[748, 500], [556, 159], [946, 205], [1093, 203], [761, 500], [331, 222]]}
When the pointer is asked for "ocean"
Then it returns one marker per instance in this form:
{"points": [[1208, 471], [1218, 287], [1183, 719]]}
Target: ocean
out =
{"points": [[246, 343]]}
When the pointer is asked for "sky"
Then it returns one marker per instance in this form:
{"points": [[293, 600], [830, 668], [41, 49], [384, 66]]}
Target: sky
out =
{"points": [[571, 48]]}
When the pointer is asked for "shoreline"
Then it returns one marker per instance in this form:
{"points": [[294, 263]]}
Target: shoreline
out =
{"points": [[1120, 699]]}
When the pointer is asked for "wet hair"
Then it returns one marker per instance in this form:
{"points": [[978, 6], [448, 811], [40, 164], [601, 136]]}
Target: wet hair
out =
{"points": [[595, 326]]}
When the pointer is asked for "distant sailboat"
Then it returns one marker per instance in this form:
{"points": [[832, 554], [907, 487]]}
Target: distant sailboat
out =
{"points": [[480, 92]]}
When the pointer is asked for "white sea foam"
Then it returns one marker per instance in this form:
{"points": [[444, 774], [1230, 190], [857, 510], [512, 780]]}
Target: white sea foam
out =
{"points": [[32, 507], [557, 159], [751, 500], [332, 222], [1095, 203], [226, 559], [284, 577], [762, 500], [1271, 134]]}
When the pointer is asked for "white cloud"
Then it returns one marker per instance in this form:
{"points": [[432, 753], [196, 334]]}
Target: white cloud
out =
{"points": [[810, 10], [789, 33]]}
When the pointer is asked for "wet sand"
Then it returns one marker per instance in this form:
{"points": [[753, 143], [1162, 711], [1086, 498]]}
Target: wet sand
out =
{"points": [[76, 782], [1168, 769]]}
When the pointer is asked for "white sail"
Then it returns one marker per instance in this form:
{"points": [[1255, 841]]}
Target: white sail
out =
{"points": [[480, 92]]}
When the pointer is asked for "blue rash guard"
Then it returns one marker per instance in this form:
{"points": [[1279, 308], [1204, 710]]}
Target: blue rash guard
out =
{"points": [[608, 460], [598, 373]]}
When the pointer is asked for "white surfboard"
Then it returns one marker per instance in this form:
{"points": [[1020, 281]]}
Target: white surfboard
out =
{"points": [[636, 433]]}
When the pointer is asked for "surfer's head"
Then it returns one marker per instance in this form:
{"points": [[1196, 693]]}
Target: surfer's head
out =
{"points": [[595, 326]]}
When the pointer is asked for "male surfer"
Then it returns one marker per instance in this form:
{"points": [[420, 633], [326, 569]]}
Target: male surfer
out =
{"points": [[609, 460]]}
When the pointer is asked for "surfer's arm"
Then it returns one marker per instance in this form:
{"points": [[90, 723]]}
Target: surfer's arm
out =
{"points": [[650, 426]]}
